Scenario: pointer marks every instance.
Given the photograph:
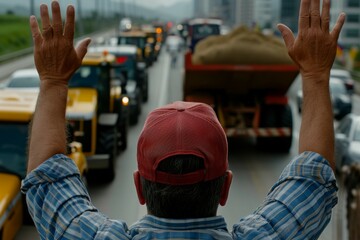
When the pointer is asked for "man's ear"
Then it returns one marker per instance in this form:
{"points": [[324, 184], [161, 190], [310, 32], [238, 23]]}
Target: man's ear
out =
{"points": [[137, 180], [226, 188]]}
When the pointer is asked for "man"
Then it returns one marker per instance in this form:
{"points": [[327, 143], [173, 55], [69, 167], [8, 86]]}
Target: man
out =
{"points": [[183, 171]]}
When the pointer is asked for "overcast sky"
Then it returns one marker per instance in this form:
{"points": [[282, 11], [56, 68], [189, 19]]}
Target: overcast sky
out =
{"points": [[148, 3], [154, 3]]}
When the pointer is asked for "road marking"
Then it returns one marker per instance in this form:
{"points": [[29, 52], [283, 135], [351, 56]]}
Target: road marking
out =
{"points": [[164, 81]]}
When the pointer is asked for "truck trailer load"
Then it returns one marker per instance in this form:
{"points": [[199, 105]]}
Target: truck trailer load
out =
{"points": [[249, 99]]}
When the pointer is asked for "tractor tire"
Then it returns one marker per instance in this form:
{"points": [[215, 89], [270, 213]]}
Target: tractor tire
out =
{"points": [[276, 116], [146, 92], [122, 137], [107, 144], [134, 118]]}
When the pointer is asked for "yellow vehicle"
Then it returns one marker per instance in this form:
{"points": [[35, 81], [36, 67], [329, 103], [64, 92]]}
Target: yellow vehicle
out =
{"points": [[16, 110], [139, 39], [97, 110], [152, 40]]}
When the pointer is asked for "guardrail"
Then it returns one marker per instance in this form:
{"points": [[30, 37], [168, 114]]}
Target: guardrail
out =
{"points": [[352, 185], [14, 55]]}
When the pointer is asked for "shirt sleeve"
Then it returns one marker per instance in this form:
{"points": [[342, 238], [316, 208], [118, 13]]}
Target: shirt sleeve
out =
{"points": [[60, 205], [298, 206]]}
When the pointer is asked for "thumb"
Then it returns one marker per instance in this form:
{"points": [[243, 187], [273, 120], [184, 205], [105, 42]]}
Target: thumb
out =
{"points": [[287, 35], [81, 49]]}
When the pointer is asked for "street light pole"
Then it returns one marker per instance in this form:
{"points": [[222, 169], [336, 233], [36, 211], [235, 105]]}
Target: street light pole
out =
{"points": [[81, 27], [32, 7]]}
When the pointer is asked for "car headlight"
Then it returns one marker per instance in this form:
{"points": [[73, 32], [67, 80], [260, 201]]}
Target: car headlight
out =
{"points": [[125, 101]]}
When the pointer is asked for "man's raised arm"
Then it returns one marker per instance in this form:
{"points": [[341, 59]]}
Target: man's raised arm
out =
{"points": [[56, 60], [314, 50]]}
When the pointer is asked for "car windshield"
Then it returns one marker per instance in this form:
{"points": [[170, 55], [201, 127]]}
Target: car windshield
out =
{"points": [[137, 41], [337, 88], [24, 82], [13, 148], [86, 76], [205, 30]]}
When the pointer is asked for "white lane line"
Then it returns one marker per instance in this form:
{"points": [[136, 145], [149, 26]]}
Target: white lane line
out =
{"points": [[164, 83], [163, 96]]}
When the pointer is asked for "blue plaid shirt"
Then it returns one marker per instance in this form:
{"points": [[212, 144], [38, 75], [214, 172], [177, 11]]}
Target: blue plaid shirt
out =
{"points": [[297, 207]]}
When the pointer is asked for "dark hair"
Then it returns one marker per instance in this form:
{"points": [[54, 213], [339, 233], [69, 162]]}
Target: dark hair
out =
{"points": [[187, 201]]}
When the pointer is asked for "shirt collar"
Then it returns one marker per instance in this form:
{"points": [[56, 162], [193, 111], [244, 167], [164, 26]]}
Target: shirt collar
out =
{"points": [[150, 221]]}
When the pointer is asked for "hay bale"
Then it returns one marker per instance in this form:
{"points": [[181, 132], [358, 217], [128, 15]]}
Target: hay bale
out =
{"points": [[241, 46]]}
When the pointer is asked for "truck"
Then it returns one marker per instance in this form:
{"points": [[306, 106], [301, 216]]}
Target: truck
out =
{"points": [[249, 100], [16, 111]]}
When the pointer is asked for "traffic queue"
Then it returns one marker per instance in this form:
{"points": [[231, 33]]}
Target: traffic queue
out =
{"points": [[107, 92], [105, 97]]}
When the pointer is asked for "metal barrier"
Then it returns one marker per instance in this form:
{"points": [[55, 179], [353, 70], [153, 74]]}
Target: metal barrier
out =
{"points": [[14, 55], [352, 185]]}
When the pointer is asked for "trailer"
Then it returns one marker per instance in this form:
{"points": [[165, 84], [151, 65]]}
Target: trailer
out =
{"points": [[249, 100]]}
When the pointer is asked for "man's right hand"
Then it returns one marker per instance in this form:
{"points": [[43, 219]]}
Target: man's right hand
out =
{"points": [[314, 49], [56, 59]]}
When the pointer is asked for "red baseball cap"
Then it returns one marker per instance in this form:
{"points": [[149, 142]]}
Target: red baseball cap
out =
{"points": [[182, 128]]}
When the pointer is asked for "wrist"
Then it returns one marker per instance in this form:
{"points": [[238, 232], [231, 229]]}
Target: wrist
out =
{"points": [[315, 76], [48, 83]]}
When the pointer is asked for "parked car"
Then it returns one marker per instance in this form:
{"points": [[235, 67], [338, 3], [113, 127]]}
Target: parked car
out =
{"points": [[174, 43], [341, 99], [24, 78], [347, 141], [344, 76]]}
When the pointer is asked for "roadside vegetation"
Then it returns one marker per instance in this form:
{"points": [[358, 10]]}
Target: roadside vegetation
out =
{"points": [[14, 33]]}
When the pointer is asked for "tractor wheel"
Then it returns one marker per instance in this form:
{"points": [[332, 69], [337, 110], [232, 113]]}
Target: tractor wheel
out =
{"points": [[107, 144], [146, 92], [122, 137], [276, 117]]}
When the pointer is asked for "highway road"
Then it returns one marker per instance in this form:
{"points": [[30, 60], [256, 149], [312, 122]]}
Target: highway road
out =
{"points": [[254, 171]]}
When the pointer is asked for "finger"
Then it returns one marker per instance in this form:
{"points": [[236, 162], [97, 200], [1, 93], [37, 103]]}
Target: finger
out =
{"points": [[70, 23], [304, 17], [35, 31], [325, 16], [45, 19], [287, 35], [56, 15], [338, 26], [81, 49], [315, 14]]}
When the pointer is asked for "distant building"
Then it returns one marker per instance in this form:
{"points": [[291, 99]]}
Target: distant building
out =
{"points": [[267, 13], [350, 34], [244, 12], [201, 8], [289, 13]]}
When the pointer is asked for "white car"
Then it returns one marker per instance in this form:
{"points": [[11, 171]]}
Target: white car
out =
{"points": [[125, 25], [344, 76], [23, 79], [174, 43]]}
